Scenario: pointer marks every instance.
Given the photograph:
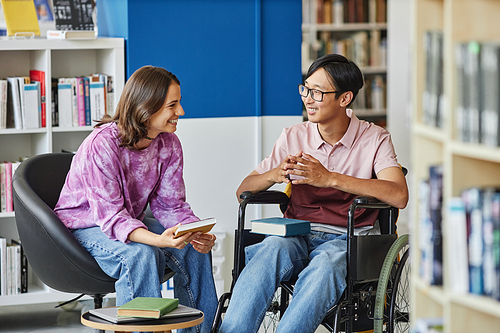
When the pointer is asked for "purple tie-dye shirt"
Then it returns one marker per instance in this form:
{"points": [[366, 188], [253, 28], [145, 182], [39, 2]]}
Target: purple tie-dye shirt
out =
{"points": [[110, 186]]}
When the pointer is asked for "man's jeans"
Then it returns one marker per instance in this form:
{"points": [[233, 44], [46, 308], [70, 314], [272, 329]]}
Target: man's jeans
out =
{"points": [[319, 260], [139, 269]]}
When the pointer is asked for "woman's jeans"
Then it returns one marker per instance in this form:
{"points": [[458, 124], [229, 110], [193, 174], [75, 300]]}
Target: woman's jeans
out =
{"points": [[139, 269], [319, 261]]}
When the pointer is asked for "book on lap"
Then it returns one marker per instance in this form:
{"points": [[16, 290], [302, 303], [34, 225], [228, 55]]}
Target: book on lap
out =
{"points": [[147, 307], [110, 314], [281, 226]]}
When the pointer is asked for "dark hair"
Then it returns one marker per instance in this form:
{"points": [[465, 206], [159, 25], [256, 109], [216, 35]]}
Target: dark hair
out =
{"points": [[143, 95], [343, 73]]}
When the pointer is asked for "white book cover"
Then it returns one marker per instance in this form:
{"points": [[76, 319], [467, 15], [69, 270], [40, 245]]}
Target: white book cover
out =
{"points": [[14, 103], [456, 241], [9, 261], [97, 101], [3, 104], [65, 103], [3, 266], [32, 105]]}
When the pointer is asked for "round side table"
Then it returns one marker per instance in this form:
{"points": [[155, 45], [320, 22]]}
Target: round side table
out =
{"points": [[156, 325]]}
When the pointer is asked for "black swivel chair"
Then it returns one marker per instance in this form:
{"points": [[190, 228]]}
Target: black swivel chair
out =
{"points": [[52, 251]]}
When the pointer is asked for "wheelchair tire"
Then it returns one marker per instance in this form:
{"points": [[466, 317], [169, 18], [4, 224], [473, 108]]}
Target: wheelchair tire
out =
{"points": [[275, 311], [387, 307]]}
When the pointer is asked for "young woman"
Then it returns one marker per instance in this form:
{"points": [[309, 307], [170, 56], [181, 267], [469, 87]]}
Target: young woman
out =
{"points": [[129, 161]]}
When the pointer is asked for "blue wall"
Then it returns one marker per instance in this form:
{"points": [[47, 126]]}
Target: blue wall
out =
{"points": [[233, 58]]}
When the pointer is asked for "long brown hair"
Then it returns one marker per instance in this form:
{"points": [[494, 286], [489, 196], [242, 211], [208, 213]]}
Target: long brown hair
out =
{"points": [[143, 95]]}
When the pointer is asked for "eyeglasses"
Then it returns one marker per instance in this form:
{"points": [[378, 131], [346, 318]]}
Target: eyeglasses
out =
{"points": [[316, 94]]}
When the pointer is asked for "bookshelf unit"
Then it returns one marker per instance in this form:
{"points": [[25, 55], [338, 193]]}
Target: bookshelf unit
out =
{"points": [[363, 41], [57, 58], [464, 164]]}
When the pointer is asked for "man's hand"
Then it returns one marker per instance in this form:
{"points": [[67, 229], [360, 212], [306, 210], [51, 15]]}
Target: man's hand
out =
{"points": [[281, 173], [308, 167]]}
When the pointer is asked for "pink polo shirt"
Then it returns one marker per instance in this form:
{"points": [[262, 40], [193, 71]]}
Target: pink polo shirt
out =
{"points": [[364, 150]]}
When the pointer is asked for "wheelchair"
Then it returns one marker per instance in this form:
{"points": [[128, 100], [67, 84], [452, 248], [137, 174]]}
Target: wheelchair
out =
{"points": [[378, 273]]}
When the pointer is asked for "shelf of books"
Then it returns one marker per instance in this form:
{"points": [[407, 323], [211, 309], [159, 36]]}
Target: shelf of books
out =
{"points": [[456, 166], [51, 93], [357, 30]]}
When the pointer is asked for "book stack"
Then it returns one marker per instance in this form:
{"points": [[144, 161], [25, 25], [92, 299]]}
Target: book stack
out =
{"points": [[82, 101], [363, 47], [74, 20], [474, 225], [433, 95], [7, 170], [21, 105], [477, 111], [345, 11], [13, 268], [430, 229]]}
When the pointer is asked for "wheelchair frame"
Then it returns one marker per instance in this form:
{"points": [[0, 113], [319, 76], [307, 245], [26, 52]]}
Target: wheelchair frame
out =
{"points": [[364, 279]]}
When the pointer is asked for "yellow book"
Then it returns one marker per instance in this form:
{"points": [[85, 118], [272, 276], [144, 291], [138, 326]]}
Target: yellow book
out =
{"points": [[20, 17]]}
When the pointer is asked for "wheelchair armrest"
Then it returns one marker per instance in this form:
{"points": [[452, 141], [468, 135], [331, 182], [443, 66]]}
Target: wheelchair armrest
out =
{"points": [[367, 203], [265, 197]]}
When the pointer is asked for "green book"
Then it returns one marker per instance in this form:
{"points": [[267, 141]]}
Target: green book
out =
{"points": [[147, 307]]}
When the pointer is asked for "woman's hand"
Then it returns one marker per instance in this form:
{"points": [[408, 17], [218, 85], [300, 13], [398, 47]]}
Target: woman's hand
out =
{"points": [[204, 242]]}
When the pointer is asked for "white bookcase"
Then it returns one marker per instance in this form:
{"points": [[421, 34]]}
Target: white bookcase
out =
{"points": [[464, 164], [57, 58]]}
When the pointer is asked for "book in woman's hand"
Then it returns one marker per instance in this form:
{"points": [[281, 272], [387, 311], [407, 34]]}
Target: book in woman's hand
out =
{"points": [[147, 307], [203, 226]]}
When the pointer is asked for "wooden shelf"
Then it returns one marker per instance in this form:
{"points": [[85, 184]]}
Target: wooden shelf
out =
{"points": [[464, 164]]}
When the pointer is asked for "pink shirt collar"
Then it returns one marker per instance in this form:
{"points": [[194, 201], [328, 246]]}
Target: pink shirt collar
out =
{"points": [[350, 135]]}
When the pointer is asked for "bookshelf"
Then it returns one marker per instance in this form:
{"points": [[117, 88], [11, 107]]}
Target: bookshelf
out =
{"points": [[57, 58], [464, 164], [360, 34]]}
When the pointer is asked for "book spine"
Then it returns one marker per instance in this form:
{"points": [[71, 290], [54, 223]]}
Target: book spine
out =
{"points": [[74, 91], [3, 104], [3, 266], [14, 102], [8, 188], [3, 189], [39, 76], [31, 105], [54, 102], [86, 87], [23, 268], [65, 103], [81, 101]]}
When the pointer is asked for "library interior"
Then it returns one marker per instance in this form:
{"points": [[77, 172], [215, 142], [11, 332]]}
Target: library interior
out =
{"points": [[431, 72]]}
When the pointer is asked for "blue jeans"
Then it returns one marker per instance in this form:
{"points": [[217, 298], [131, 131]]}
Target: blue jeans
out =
{"points": [[319, 261], [139, 269]]}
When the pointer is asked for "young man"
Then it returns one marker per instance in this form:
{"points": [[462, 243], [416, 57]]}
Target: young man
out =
{"points": [[329, 160]]}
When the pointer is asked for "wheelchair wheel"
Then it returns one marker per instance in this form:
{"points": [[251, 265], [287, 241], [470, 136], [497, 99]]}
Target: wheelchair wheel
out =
{"points": [[275, 312], [392, 301]]}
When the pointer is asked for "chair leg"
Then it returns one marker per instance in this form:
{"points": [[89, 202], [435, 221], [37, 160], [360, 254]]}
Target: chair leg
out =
{"points": [[98, 299]]}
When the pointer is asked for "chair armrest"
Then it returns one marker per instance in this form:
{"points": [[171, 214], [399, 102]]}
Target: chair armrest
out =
{"points": [[368, 203], [265, 197]]}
